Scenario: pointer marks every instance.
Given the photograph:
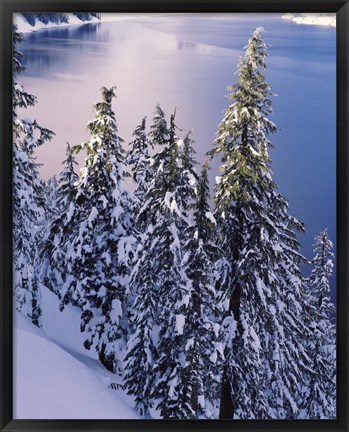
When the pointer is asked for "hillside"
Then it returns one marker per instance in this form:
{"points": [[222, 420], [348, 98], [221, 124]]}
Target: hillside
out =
{"points": [[55, 377]]}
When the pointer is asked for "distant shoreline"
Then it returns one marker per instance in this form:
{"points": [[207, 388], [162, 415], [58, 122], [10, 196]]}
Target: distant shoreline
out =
{"points": [[328, 20], [325, 19], [25, 27]]}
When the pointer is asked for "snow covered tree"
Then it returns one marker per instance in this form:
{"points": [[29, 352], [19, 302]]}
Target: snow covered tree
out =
{"points": [[100, 245], [51, 190], [141, 353], [202, 356], [67, 180], [141, 349], [319, 396], [159, 139], [28, 197], [265, 355], [172, 386], [159, 274], [53, 244], [139, 159]]}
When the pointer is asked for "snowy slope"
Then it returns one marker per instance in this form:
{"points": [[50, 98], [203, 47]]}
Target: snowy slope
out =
{"points": [[25, 27], [55, 377]]}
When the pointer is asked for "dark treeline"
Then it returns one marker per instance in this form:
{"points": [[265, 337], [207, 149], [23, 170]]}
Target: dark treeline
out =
{"points": [[57, 17], [199, 311]]}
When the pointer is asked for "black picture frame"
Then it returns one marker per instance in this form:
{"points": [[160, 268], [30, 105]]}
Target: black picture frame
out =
{"points": [[341, 8]]}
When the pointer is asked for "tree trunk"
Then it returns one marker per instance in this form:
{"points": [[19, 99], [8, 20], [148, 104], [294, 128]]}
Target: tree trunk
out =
{"points": [[107, 361], [226, 408], [227, 404], [195, 390]]}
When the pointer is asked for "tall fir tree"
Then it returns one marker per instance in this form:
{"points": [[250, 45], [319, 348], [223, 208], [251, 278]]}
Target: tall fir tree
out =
{"points": [[139, 377], [141, 354], [53, 244], [28, 197], [202, 355], [68, 179], [51, 197], [100, 245], [263, 290], [319, 396], [139, 159], [159, 274]]}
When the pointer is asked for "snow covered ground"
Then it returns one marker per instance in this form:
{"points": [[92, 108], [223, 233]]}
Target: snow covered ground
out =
{"points": [[55, 377], [312, 19], [25, 27]]}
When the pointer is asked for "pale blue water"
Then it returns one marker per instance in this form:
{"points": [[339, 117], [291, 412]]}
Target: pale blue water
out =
{"points": [[187, 61]]}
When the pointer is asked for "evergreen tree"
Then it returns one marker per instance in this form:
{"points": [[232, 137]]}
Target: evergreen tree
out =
{"points": [[159, 273], [67, 180], [53, 245], [28, 197], [172, 386], [139, 375], [319, 396], [141, 353], [159, 139], [139, 159], [51, 192], [100, 246], [263, 290], [202, 357]]}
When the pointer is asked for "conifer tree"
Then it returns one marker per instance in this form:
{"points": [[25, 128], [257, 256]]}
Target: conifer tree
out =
{"points": [[28, 193], [51, 190], [264, 287], [100, 246], [67, 180], [141, 349], [158, 273], [159, 138], [319, 396], [139, 159], [141, 353], [202, 356], [53, 245]]}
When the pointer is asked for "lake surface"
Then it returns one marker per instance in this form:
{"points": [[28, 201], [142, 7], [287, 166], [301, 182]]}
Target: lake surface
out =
{"points": [[187, 61]]}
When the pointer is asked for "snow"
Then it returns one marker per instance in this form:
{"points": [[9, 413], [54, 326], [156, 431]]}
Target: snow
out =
{"points": [[93, 215], [117, 309], [173, 384], [256, 342], [176, 243], [272, 309], [55, 377], [25, 27], [201, 401], [327, 19], [180, 321], [210, 217], [168, 198]]}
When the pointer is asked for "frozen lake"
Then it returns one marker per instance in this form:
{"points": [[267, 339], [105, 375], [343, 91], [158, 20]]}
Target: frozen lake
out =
{"points": [[187, 61]]}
